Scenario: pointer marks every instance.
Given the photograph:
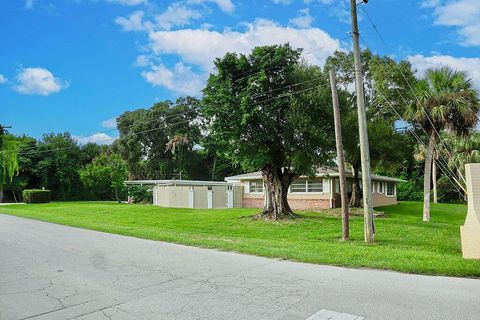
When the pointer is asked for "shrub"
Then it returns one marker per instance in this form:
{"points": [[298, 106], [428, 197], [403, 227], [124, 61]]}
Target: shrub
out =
{"points": [[139, 194], [36, 196]]}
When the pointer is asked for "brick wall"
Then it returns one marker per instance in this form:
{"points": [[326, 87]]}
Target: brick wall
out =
{"points": [[295, 204], [252, 203]]}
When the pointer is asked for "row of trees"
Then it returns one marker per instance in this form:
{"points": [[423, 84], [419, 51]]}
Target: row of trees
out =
{"points": [[271, 111], [97, 172]]}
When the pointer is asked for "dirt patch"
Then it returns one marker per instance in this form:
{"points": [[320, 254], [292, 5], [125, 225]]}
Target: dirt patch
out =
{"points": [[353, 212]]}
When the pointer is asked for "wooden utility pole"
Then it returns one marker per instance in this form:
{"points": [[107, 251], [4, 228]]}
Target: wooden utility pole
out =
{"points": [[363, 133], [340, 158]]}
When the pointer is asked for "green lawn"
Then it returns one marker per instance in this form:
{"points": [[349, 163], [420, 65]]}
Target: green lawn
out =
{"points": [[403, 242]]}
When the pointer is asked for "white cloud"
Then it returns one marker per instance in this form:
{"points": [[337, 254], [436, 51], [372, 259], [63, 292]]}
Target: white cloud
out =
{"points": [[225, 5], [471, 65], [128, 2], [303, 19], [463, 14], [284, 2], [181, 79], [29, 4], [200, 47], [176, 15], [2, 79], [110, 123], [98, 138], [133, 22], [430, 3], [39, 81], [197, 48], [142, 61]]}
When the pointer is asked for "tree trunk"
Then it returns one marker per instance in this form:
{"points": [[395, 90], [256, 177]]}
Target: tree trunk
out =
{"points": [[276, 184], [14, 196], [1, 194], [116, 195], [434, 180], [267, 196], [356, 192], [213, 169], [340, 159], [428, 177]]}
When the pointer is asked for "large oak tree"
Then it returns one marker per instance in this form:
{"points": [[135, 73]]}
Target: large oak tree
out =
{"points": [[269, 111]]}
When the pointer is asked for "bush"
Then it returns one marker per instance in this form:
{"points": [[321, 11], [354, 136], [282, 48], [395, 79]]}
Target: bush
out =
{"points": [[36, 196], [140, 194]]}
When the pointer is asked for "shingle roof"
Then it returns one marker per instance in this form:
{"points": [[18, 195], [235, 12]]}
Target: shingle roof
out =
{"points": [[321, 172]]}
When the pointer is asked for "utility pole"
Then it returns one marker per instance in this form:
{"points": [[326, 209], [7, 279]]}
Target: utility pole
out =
{"points": [[363, 133], [340, 158]]}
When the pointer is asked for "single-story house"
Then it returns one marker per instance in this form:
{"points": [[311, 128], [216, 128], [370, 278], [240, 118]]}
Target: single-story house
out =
{"points": [[321, 192], [192, 193]]}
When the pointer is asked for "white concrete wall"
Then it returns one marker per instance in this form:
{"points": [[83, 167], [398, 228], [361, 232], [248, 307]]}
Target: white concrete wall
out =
{"points": [[470, 232]]}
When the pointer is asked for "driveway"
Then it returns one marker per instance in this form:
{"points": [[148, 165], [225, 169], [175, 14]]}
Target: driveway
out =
{"points": [[49, 271]]}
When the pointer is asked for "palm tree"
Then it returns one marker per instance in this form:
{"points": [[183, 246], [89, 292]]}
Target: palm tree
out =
{"points": [[445, 100], [464, 150], [420, 155]]}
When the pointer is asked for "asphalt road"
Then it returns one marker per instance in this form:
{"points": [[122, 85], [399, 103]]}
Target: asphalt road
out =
{"points": [[49, 271]]}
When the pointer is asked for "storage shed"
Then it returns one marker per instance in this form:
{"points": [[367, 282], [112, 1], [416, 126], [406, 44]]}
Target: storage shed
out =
{"points": [[193, 194]]}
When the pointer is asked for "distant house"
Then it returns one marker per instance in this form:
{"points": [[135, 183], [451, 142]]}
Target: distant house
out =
{"points": [[322, 192]]}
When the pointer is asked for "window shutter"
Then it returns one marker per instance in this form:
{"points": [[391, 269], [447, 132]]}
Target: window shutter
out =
{"points": [[247, 186], [326, 185]]}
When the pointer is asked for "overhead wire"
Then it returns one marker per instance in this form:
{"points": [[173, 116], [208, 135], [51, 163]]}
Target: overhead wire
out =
{"points": [[443, 166], [413, 91]]}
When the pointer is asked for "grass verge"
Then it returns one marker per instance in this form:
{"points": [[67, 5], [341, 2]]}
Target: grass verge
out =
{"points": [[403, 242]]}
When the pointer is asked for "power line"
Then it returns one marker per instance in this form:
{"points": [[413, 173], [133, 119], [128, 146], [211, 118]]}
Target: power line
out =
{"points": [[289, 86], [189, 110], [169, 125], [129, 126], [440, 164], [446, 170], [273, 67], [413, 91], [109, 139]]}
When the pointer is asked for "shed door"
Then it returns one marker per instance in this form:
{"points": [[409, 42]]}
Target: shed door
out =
{"points": [[229, 198], [209, 198], [155, 196], [190, 198]]}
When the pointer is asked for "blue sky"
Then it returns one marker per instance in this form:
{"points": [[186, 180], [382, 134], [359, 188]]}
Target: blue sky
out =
{"points": [[73, 65]]}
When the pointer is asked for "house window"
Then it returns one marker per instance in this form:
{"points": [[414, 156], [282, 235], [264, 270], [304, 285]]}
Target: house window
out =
{"points": [[256, 186], [380, 187], [299, 186], [390, 189], [315, 186]]}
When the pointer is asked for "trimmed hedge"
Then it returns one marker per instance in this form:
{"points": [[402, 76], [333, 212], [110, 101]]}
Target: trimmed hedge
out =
{"points": [[36, 196]]}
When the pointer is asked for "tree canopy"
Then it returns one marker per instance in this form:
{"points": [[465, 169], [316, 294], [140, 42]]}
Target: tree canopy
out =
{"points": [[269, 111]]}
